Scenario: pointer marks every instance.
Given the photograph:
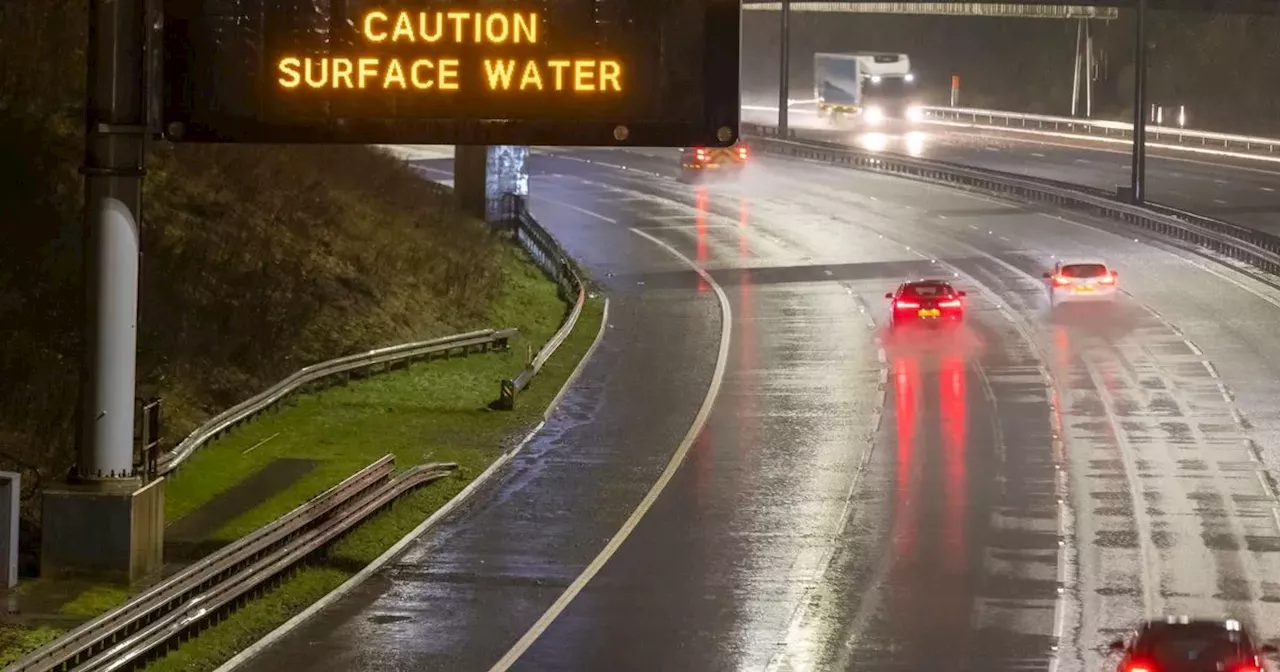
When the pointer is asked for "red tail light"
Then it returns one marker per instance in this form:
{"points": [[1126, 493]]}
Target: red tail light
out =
{"points": [[1247, 667], [1108, 279], [1063, 281], [701, 154], [953, 303], [1138, 667], [742, 153], [907, 304]]}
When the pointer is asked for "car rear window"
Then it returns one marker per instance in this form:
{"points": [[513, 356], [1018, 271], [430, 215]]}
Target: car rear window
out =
{"points": [[928, 290], [1176, 645], [1084, 271]]}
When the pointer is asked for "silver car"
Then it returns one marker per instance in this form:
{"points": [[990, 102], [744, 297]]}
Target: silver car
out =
{"points": [[1081, 280]]}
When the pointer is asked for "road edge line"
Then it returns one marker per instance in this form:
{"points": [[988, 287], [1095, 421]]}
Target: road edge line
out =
{"points": [[255, 649], [582, 363], [673, 464]]}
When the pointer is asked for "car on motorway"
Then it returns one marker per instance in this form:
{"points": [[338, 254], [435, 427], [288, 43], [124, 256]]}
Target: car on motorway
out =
{"points": [[1081, 280], [1182, 644], [697, 162], [927, 302]]}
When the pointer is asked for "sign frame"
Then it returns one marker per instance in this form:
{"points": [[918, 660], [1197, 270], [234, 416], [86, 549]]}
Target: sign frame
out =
{"points": [[718, 126]]}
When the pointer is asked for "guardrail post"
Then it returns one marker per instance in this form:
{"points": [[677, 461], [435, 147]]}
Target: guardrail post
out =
{"points": [[507, 396], [150, 439]]}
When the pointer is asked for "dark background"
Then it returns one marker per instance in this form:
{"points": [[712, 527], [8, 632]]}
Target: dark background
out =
{"points": [[1224, 68]]}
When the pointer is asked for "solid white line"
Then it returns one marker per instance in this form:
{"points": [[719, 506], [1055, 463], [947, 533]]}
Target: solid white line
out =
{"points": [[582, 363], [682, 450], [255, 446], [350, 584], [373, 567]]}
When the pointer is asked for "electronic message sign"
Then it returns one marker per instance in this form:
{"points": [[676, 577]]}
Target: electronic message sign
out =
{"points": [[502, 72]]}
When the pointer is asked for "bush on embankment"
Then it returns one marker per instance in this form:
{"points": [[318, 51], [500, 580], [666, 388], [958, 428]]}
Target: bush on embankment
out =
{"points": [[257, 260]]}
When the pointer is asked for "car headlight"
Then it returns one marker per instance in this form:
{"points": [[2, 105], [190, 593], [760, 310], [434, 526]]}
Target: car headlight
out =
{"points": [[915, 114], [874, 115]]}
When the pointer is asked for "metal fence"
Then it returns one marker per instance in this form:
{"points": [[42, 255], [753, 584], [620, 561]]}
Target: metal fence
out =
{"points": [[547, 253], [143, 628], [310, 378], [1247, 146], [1102, 128]]}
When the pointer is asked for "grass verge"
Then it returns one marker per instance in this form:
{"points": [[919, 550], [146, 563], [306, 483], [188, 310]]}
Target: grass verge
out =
{"points": [[430, 412], [451, 424]]}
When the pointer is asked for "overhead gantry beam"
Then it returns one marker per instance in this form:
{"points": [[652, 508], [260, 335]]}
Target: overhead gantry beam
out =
{"points": [[987, 9], [1028, 9]]}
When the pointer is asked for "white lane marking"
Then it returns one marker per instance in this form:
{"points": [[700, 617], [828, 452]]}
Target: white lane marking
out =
{"points": [[1219, 181], [288, 626], [561, 603], [350, 584], [1038, 155], [1082, 161], [791, 637], [1266, 188], [1219, 201], [255, 446], [1222, 276], [1266, 487], [582, 363], [563, 204]]}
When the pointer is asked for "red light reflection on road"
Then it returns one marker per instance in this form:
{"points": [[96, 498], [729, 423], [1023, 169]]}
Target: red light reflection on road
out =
{"points": [[1061, 347], [906, 376], [700, 224], [744, 216], [954, 417]]}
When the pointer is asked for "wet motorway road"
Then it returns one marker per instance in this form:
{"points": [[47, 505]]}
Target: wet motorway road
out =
{"points": [[856, 500], [1234, 190]]}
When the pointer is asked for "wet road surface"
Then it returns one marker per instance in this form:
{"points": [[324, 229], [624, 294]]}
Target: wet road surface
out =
{"points": [[857, 499], [1234, 190]]}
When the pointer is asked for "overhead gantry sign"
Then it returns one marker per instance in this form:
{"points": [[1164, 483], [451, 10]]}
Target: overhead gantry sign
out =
{"points": [[553, 72]]}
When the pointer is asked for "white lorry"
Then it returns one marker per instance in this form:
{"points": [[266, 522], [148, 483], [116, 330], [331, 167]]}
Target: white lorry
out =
{"points": [[870, 88]]}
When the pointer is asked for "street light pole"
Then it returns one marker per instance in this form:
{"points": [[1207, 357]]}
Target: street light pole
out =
{"points": [[1139, 175], [784, 69]]}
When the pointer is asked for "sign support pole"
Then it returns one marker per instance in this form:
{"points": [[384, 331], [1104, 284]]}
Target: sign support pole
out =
{"points": [[1138, 177], [113, 169], [784, 69], [104, 521]]}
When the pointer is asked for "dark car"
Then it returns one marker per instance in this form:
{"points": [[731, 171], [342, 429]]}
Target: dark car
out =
{"points": [[933, 302], [1181, 644], [701, 161]]}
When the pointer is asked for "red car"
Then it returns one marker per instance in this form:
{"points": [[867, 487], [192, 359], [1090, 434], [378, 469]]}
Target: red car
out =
{"points": [[1182, 644], [722, 161], [931, 302]]}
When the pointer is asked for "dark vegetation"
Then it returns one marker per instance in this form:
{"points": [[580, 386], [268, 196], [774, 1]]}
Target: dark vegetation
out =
{"points": [[1223, 68], [257, 260]]}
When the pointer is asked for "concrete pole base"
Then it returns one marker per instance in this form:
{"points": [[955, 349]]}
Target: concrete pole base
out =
{"points": [[111, 530]]}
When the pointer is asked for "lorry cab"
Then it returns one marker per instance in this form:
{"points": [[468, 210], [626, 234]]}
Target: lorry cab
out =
{"points": [[876, 88], [702, 161]]}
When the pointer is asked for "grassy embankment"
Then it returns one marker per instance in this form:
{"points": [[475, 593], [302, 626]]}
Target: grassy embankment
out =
{"points": [[257, 260]]}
